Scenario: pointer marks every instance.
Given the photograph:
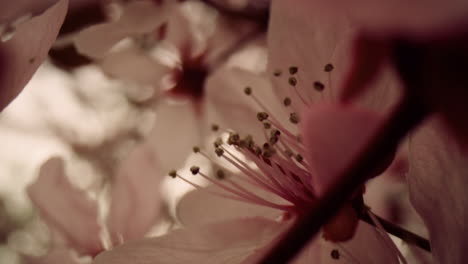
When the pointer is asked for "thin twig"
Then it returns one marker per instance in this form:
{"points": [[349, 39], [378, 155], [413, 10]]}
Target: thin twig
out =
{"points": [[403, 234]]}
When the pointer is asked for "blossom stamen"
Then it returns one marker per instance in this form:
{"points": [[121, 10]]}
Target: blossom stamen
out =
{"points": [[235, 195], [258, 179], [249, 175]]}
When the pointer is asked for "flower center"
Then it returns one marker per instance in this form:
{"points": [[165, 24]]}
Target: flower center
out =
{"points": [[190, 80], [275, 164]]}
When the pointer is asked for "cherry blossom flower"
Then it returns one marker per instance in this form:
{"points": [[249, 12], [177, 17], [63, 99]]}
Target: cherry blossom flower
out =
{"points": [[281, 168], [183, 53], [23, 23], [295, 172], [284, 172], [74, 216]]}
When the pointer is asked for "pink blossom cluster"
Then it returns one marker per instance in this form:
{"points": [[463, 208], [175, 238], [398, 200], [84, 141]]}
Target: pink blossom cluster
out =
{"points": [[308, 131]]}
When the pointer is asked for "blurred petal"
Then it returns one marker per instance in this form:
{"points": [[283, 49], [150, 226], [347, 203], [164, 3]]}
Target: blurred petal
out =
{"points": [[191, 210], [56, 254], [226, 242], [65, 208], [133, 65], [437, 181], [333, 135], [19, 59], [175, 133], [135, 198], [139, 17]]}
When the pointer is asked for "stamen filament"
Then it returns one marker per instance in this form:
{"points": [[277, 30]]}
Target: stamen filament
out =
{"points": [[236, 196], [266, 169], [242, 192], [257, 177], [304, 101]]}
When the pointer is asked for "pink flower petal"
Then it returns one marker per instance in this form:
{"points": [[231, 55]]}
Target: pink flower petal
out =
{"points": [[333, 135], [139, 17], [18, 58], [305, 35], [437, 182], [191, 210], [134, 66], [65, 208], [56, 254], [135, 198], [226, 242], [174, 120]]}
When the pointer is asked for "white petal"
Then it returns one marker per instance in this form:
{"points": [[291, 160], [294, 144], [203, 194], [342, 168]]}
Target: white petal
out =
{"points": [[175, 133], [191, 210], [304, 35], [138, 17], [135, 198], [133, 65], [65, 208]]}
